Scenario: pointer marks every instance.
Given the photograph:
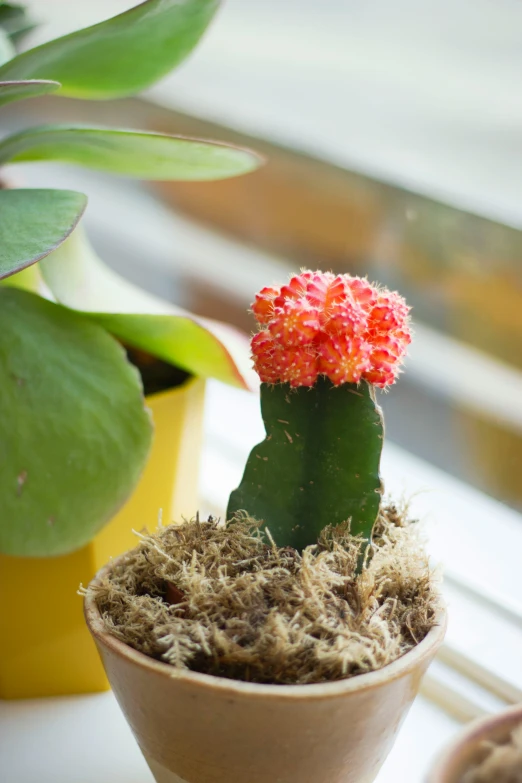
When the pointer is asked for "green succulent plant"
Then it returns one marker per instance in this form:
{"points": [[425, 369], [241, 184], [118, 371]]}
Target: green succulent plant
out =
{"points": [[75, 432], [325, 342]]}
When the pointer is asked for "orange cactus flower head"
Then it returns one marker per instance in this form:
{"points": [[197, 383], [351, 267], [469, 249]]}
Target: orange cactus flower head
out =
{"points": [[302, 366], [344, 359], [295, 289], [269, 357], [294, 323], [362, 291], [263, 306], [325, 290], [335, 325], [346, 317], [388, 314]]}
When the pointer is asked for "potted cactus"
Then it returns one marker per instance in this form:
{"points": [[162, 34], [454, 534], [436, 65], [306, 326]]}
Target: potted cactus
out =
{"points": [[487, 751], [288, 641], [80, 347]]}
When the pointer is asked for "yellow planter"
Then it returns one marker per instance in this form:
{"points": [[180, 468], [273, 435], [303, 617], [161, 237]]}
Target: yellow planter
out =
{"points": [[44, 654]]}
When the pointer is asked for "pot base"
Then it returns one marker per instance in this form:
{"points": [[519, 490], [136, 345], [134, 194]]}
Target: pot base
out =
{"points": [[161, 774]]}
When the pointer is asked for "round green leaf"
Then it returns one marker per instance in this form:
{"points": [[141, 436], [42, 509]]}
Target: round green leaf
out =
{"points": [[19, 91], [130, 153], [120, 56], [33, 223], [74, 432]]}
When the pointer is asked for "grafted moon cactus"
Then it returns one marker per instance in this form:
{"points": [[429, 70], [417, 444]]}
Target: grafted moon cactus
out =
{"points": [[324, 342]]}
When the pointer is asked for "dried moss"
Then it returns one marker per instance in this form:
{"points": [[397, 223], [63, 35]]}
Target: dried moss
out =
{"points": [[254, 612], [501, 764]]}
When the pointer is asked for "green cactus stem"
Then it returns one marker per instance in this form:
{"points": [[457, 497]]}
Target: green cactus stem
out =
{"points": [[319, 462]]}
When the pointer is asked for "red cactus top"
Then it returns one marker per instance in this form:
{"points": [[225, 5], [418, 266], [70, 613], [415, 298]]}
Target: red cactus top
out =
{"points": [[334, 325]]}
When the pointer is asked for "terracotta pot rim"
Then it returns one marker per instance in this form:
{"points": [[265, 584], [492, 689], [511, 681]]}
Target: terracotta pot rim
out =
{"points": [[360, 682], [471, 736]]}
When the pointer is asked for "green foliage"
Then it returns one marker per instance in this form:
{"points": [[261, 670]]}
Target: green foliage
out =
{"points": [[129, 153], [19, 91], [179, 340], [80, 280], [120, 56], [35, 222], [14, 20], [319, 462], [75, 432]]}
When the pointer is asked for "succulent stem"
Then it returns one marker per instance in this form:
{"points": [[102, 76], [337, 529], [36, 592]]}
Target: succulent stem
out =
{"points": [[319, 462]]}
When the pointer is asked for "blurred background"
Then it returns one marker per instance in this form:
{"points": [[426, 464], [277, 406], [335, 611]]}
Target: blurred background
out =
{"points": [[393, 146], [392, 132]]}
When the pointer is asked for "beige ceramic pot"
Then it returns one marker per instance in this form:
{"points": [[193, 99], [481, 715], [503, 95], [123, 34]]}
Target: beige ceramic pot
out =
{"points": [[468, 748], [196, 728]]}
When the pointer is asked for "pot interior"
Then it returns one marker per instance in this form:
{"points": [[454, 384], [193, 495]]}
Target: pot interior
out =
{"points": [[156, 375]]}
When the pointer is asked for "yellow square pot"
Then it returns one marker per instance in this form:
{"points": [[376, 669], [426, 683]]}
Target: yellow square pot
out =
{"points": [[44, 654]]}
